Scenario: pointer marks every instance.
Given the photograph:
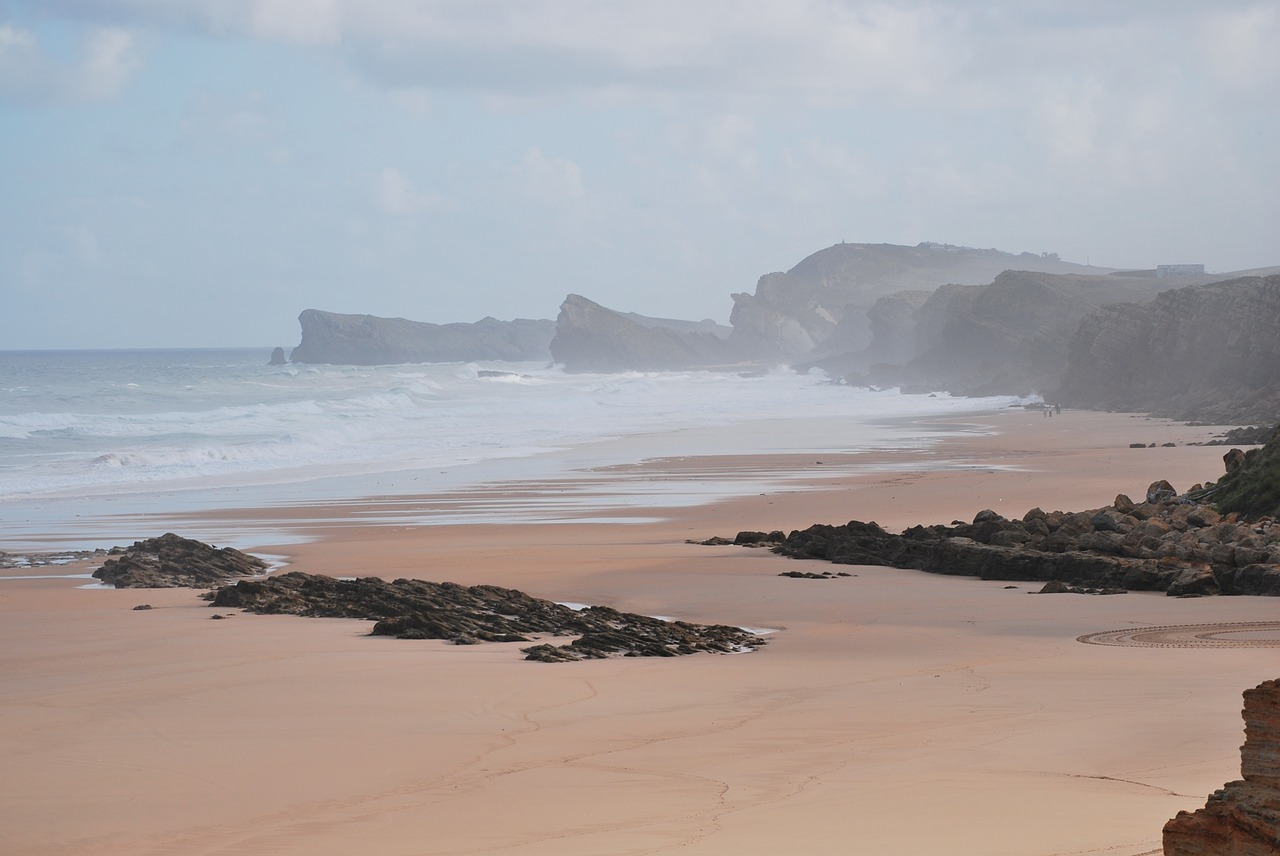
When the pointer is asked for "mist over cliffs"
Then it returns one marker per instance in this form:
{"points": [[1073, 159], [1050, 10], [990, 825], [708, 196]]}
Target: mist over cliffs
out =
{"points": [[930, 317]]}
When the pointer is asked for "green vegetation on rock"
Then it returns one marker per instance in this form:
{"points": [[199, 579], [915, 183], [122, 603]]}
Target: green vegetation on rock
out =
{"points": [[1253, 488]]}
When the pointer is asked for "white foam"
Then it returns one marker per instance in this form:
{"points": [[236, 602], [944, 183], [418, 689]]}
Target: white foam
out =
{"points": [[129, 433]]}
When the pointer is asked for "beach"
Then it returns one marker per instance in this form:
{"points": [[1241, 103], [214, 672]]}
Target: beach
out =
{"points": [[891, 711]]}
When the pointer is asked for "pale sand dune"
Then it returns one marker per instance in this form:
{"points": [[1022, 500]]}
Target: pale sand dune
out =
{"points": [[895, 712]]}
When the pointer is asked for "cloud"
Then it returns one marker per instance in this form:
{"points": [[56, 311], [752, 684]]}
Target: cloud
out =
{"points": [[1241, 46], [549, 180], [107, 60], [316, 22], [394, 194]]}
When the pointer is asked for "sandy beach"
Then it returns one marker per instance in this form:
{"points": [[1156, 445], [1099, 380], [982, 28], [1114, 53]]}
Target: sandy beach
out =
{"points": [[891, 712]]}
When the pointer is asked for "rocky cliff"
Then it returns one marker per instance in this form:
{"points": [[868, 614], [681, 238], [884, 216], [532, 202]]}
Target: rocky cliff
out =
{"points": [[1209, 353], [590, 337], [1006, 337], [819, 307], [1243, 818], [364, 340]]}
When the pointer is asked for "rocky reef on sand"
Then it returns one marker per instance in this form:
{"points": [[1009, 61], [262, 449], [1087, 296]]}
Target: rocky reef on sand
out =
{"points": [[418, 609], [1243, 817], [1167, 542], [171, 561]]}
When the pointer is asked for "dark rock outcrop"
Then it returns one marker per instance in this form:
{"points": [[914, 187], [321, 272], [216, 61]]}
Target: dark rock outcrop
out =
{"points": [[417, 609], [172, 561], [591, 338], [1243, 817], [277, 357], [366, 340], [819, 307], [1209, 353], [1168, 544]]}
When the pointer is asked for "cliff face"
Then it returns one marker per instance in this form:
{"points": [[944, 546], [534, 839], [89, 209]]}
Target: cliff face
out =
{"points": [[591, 338], [1243, 818], [1209, 353], [366, 340], [820, 306], [1007, 337]]}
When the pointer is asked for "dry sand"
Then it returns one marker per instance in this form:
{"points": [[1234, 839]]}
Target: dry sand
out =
{"points": [[894, 712]]}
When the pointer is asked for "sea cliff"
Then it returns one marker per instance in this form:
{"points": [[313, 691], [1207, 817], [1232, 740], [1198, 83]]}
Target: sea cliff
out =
{"points": [[1243, 817]]}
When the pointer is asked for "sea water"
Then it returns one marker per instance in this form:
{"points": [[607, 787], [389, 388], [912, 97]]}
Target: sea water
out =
{"points": [[88, 437]]}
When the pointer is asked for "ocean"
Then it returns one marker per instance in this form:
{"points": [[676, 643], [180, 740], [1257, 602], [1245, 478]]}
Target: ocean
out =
{"points": [[91, 441]]}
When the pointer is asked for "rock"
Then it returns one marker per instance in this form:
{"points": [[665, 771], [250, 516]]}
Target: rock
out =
{"points": [[822, 307], [329, 337], [1193, 582], [1096, 552], [1209, 353], [172, 561], [1243, 818], [1160, 491], [418, 609], [1252, 487], [1007, 336], [750, 539], [589, 337], [277, 357]]}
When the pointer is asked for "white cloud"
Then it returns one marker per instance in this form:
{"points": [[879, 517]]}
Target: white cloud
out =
{"points": [[1241, 45], [395, 194], [317, 22], [107, 61], [1066, 122], [111, 60], [549, 180]]}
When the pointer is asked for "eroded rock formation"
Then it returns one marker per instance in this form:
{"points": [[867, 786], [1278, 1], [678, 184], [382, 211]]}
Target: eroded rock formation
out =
{"points": [[1242, 818], [1209, 353], [417, 609], [819, 307], [590, 337], [172, 561], [1006, 337], [367, 340]]}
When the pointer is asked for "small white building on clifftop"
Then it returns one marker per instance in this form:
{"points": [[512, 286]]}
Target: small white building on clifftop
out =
{"points": [[1171, 271]]}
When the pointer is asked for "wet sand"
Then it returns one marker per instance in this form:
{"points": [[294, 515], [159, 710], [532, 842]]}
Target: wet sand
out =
{"points": [[893, 712]]}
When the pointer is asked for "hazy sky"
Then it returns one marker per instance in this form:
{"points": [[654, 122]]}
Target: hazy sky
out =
{"points": [[197, 172]]}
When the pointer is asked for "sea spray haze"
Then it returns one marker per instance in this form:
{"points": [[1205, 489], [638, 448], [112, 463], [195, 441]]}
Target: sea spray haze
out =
{"points": [[87, 433]]}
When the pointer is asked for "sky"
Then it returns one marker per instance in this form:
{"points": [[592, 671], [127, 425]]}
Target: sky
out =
{"points": [[195, 173]]}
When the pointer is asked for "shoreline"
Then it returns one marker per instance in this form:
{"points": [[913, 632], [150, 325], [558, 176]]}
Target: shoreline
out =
{"points": [[894, 711]]}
